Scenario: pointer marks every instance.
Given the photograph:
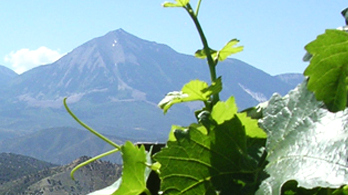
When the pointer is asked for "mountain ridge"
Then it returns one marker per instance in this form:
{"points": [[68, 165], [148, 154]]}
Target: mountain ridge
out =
{"points": [[113, 84], [56, 179], [59, 145]]}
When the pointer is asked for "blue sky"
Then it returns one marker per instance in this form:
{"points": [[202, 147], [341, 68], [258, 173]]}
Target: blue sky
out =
{"points": [[273, 33]]}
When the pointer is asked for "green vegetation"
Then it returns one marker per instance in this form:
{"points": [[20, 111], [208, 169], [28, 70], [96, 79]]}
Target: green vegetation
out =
{"points": [[54, 180], [328, 69], [289, 145], [14, 166]]}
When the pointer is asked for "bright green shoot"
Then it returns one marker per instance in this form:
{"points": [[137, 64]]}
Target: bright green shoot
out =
{"points": [[91, 160], [212, 56], [89, 128], [117, 147]]}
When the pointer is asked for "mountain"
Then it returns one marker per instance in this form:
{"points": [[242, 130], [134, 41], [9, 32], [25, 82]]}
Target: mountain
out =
{"points": [[121, 84], [6, 75], [113, 84], [293, 79], [118, 65], [59, 145], [57, 180], [14, 166], [121, 67]]}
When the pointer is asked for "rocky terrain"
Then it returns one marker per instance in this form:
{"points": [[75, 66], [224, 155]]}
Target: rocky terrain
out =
{"points": [[47, 179]]}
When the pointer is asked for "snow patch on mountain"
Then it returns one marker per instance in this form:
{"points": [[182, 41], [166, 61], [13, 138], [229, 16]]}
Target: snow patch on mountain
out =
{"points": [[114, 43], [260, 97]]}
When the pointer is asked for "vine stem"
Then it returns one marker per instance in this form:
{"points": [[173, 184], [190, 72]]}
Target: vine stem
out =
{"points": [[91, 160], [206, 48], [197, 8], [89, 128]]}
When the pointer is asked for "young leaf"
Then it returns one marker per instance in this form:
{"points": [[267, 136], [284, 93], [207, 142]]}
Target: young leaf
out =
{"points": [[252, 128], [171, 99], [213, 163], [192, 91], [228, 50], [179, 3], [222, 54], [202, 55], [134, 174], [214, 88], [224, 111], [306, 143], [328, 69]]}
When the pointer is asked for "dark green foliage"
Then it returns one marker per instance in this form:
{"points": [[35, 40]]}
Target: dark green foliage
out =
{"points": [[198, 163], [328, 69]]}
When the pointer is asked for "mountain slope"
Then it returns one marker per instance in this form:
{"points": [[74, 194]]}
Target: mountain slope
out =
{"points": [[293, 79], [120, 66], [14, 166], [58, 145], [113, 84], [57, 180], [6, 75]]}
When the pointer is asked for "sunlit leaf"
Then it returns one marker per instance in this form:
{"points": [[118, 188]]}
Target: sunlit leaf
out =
{"points": [[252, 128], [178, 3], [134, 174], [228, 50], [196, 90], [202, 54], [192, 91], [224, 111], [222, 54], [214, 163], [328, 69], [215, 87], [306, 143], [172, 98]]}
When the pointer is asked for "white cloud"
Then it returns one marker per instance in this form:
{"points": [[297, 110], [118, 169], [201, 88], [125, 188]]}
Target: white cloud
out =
{"points": [[25, 59]]}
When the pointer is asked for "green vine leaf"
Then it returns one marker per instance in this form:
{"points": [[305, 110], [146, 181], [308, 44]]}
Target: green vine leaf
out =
{"points": [[171, 136], [134, 174], [214, 88], [228, 50], [179, 3], [328, 69], [214, 163], [222, 54], [224, 111], [252, 128], [192, 91], [202, 54], [306, 143]]}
